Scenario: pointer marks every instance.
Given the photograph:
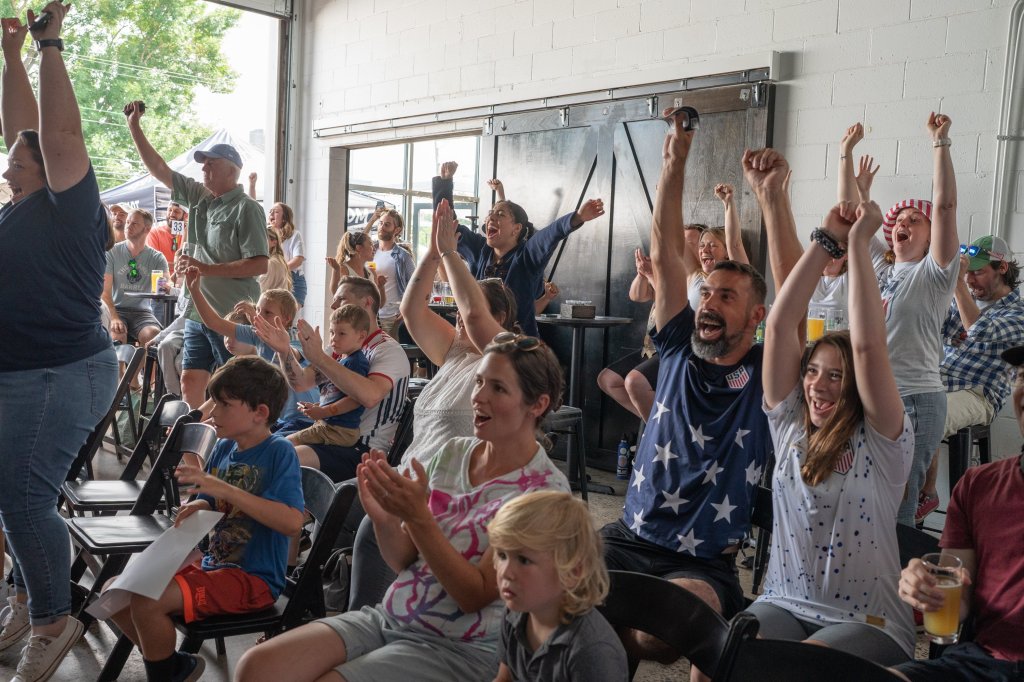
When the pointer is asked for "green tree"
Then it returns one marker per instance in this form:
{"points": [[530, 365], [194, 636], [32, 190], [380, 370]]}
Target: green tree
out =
{"points": [[158, 51]]}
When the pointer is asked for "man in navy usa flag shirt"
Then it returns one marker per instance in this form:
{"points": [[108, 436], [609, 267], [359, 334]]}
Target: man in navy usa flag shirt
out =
{"points": [[707, 442]]}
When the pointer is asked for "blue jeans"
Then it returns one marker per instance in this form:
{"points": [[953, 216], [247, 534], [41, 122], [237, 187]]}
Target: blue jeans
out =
{"points": [[927, 412], [299, 287], [203, 348], [45, 417]]}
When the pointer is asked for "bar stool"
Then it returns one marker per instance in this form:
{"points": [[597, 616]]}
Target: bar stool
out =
{"points": [[568, 421], [960, 445]]}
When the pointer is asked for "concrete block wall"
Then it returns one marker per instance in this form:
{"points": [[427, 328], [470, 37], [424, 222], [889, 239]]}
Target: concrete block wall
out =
{"points": [[887, 63]]}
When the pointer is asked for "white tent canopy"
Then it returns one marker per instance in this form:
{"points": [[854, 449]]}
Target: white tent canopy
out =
{"points": [[146, 193]]}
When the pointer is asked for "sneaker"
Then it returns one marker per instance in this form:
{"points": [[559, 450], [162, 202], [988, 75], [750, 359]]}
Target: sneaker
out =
{"points": [[193, 670], [43, 655], [926, 504], [14, 619]]}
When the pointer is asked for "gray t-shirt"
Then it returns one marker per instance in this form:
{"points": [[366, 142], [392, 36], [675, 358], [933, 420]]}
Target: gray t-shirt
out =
{"points": [[137, 279], [585, 649], [915, 298]]}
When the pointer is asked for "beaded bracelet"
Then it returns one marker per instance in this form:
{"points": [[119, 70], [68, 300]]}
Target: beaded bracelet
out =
{"points": [[827, 242]]}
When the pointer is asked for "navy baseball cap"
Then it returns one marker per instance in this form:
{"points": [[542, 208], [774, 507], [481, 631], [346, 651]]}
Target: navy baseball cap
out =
{"points": [[219, 151]]}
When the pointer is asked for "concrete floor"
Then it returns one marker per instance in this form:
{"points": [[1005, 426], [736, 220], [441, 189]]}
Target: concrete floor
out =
{"points": [[87, 657]]}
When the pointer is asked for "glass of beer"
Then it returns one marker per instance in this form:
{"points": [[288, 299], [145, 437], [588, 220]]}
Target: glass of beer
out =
{"points": [[815, 323], [943, 625]]}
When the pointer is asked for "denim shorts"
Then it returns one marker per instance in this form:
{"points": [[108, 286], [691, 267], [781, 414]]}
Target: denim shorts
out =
{"points": [[204, 349], [299, 287]]}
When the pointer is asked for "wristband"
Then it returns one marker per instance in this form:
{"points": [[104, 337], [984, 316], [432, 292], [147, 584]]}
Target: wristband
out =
{"points": [[826, 241], [942, 142], [843, 157], [49, 42], [448, 252]]}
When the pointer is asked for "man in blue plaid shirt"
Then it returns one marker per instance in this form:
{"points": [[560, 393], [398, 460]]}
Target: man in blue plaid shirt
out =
{"points": [[986, 318]]}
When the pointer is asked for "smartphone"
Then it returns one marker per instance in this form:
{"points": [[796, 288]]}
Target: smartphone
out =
{"points": [[380, 203], [691, 119], [41, 22]]}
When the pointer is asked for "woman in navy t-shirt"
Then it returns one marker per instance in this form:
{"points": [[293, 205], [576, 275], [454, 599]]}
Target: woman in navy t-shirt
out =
{"points": [[57, 366]]}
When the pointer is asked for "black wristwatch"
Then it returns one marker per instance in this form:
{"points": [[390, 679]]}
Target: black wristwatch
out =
{"points": [[49, 42]]}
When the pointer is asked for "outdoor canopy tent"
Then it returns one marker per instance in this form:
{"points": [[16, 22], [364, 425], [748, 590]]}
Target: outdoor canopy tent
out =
{"points": [[146, 193]]}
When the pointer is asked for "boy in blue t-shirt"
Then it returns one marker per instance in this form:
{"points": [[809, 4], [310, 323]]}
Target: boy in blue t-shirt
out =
{"points": [[273, 304], [252, 477], [337, 416]]}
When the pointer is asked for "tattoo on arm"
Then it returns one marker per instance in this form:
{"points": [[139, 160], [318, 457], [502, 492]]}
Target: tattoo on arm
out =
{"points": [[290, 370]]}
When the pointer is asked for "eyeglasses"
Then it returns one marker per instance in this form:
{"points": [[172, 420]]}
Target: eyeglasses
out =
{"points": [[974, 250], [133, 271], [520, 341]]}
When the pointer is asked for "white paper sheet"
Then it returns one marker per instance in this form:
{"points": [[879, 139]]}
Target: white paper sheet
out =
{"points": [[150, 572]]}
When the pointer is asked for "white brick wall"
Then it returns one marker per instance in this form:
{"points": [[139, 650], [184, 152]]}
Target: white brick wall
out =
{"points": [[886, 62]]}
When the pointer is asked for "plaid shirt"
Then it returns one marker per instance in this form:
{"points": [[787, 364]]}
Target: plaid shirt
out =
{"points": [[972, 356]]}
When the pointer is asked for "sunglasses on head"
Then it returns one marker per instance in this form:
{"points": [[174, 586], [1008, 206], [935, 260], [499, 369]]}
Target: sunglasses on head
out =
{"points": [[520, 341], [973, 250]]}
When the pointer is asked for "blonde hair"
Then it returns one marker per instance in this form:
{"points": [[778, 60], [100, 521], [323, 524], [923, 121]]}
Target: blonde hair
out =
{"points": [[557, 523], [285, 299], [350, 241], [276, 234]]}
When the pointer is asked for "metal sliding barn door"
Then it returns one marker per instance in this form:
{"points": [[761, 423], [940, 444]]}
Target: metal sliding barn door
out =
{"points": [[551, 161]]}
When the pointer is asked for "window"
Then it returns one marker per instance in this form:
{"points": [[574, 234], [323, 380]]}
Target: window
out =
{"points": [[400, 175]]}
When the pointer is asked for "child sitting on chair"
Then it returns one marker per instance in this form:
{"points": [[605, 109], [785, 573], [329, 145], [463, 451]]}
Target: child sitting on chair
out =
{"points": [[551, 574], [253, 478], [337, 416]]}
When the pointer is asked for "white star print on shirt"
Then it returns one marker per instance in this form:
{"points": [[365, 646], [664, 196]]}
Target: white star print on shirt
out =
{"points": [[661, 410], [740, 433], [664, 453], [638, 521], [711, 475], [639, 479], [724, 510], [673, 500], [753, 473], [688, 543], [698, 436]]}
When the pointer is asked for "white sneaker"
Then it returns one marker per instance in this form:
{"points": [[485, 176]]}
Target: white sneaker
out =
{"points": [[14, 619], [43, 655]]}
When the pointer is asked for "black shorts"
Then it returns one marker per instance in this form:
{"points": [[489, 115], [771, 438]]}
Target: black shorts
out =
{"points": [[637, 362], [964, 662], [624, 550]]}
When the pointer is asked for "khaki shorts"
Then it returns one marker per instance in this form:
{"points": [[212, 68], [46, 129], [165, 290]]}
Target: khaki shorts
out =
{"points": [[322, 433], [966, 408]]}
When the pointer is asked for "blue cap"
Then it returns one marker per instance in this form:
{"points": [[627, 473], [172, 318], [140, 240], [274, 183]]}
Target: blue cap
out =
{"points": [[219, 151]]}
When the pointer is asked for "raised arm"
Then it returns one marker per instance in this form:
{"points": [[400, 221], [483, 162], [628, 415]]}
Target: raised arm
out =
{"points": [[60, 122], [847, 189], [152, 160], [275, 335], [641, 290], [783, 342], [430, 331], [965, 303], [498, 188], [481, 327], [865, 177], [945, 240], [733, 233], [883, 408], [209, 316], [17, 101], [668, 243], [766, 171], [252, 185]]}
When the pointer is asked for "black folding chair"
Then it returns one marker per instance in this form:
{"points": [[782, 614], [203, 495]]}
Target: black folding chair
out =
{"points": [[761, 516], [403, 434], [302, 600], [665, 610], [132, 357], [118, 537], [748, 658], [98, 435], [82, 497]]}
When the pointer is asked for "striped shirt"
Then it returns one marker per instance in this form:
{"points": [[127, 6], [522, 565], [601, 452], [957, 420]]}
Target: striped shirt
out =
{"points": [[387, 359], [971, 356]]}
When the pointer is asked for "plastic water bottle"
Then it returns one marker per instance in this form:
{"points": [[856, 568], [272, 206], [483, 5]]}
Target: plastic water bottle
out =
{"points": [[622, 462]]}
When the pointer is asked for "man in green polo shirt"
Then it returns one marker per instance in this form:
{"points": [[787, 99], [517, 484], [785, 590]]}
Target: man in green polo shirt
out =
{"points": [[227, 239]]}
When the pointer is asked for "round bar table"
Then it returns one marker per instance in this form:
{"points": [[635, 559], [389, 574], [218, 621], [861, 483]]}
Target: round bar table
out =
{"points": [[579, 328]]}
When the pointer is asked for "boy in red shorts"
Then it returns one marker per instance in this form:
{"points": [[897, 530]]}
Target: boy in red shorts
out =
{"points": [[253, 478]]}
